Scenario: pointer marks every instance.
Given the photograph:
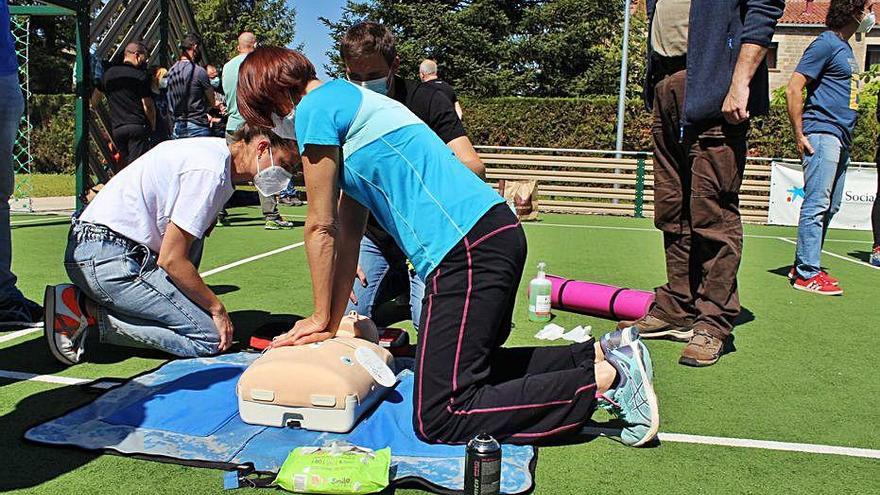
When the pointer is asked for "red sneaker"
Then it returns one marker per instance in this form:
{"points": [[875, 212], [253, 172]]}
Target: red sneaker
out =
{"points": [[792, 275], [829, 278], [66, 323], [818, 284]]}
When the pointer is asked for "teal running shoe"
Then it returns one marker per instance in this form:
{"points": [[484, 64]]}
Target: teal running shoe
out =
{"points": [[617, 338], [633, 400], [625, 337]]}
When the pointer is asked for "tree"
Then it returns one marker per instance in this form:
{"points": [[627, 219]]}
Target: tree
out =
{"points": [[221, 21], [508, 47]]}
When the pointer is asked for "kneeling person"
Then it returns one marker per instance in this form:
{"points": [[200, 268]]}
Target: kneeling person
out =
{"points": [[133, 253]]}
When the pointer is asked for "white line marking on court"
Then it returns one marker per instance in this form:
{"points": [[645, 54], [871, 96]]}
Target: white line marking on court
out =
{"points": [[771, 445], [645, 229], [58, 380], [835, 255], [19, 333], [252, 258], [28, 331], [37, 220], [33, 377]]}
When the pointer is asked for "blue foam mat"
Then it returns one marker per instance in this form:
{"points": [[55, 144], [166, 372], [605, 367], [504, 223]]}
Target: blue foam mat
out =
{"points": [[187, 411]]}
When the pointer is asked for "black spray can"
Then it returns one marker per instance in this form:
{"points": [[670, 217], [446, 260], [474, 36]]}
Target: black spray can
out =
{"points": [[482, 466]]}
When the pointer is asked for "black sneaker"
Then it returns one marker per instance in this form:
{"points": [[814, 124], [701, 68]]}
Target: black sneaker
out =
{"points": [[21, 313]]}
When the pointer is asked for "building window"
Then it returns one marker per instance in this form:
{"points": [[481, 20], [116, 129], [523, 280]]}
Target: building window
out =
{"points": [[771, 55], [872, 56]]}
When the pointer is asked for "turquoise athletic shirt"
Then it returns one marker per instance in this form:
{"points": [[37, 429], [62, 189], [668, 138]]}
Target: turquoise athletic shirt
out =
{"points": [[397, 167]]}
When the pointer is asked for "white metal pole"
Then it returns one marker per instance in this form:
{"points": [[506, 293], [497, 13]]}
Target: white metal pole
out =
{"points": [[621, 98]]}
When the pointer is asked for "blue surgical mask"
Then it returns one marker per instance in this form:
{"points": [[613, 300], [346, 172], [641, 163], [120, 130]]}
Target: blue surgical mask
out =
{"points": [[379, 85], [867, 23], [215, 82], [163, 83]]}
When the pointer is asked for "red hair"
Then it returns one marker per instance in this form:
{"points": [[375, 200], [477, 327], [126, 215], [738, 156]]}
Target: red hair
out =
{"points": [[267, 79]]}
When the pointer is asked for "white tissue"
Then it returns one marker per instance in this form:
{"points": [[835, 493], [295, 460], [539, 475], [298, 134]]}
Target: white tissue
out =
{"points": [[579, 334], [551, 331]]}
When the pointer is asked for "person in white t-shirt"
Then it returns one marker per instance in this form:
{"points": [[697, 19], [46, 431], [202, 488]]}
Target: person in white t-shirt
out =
{"points": [[132, 254]]}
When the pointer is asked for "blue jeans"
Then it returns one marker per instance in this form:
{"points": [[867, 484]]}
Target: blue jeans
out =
{"points": [[11, 109], [824, 178], [384, 282], [186, 129], [138, 304]]}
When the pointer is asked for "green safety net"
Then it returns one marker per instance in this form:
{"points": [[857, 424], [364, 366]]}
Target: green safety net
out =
{"points": [[21, 151]]}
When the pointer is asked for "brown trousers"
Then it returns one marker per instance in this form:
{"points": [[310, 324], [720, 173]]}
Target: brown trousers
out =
{"points": [[697, 177]]}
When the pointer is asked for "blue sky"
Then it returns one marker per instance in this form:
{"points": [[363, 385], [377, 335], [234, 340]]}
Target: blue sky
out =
{"points": [[311, 32]]}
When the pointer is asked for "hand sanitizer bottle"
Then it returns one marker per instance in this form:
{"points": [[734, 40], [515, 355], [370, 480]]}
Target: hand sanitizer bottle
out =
{"points": [[539, 295]]}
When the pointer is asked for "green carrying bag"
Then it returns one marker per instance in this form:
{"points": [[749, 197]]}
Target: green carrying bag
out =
{"points": [[335, 469]]}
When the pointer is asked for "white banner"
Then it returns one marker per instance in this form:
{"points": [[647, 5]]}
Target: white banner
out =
{"points": [[787, 196]]}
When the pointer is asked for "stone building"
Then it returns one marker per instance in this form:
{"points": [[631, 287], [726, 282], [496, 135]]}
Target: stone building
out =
{"points": [[800, 24]]}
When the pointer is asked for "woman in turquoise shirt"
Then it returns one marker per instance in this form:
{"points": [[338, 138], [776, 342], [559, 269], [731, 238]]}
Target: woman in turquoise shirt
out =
{"points": [[363, 152]]}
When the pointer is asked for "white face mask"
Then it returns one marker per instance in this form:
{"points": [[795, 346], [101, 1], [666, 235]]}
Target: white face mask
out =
{"points": [[284, 127], [272, 180], [867, 23]]}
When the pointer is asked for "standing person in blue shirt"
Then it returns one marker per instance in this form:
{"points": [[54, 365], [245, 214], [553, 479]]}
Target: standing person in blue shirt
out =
{"points": [[362, 153], [247, 41], [823, 129], [15, 309]]}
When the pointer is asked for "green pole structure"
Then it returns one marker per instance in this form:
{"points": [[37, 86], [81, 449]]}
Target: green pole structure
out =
{"points": [[83, 83], [640, 187], [163, 34]]}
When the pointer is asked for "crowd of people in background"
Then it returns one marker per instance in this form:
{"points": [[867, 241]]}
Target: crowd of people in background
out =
{"points": [[149, 104]]}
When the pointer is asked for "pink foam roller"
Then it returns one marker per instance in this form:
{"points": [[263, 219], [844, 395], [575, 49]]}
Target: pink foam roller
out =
{"points": [[604, 301]]}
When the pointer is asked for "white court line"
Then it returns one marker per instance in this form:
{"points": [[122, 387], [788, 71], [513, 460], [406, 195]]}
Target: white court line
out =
{"points": [[33, 377], [28, 331], [644, 229], [37, 220], [252, 258], [19, 333], [835, 255], [59, 380], [807, 448]]}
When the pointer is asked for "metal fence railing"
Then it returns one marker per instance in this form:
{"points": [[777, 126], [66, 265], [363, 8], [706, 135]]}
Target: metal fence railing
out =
{"points": [[610, 182]]}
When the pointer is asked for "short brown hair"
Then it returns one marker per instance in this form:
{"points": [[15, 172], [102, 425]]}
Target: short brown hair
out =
{"points": [[368, 38], [266, 80]]}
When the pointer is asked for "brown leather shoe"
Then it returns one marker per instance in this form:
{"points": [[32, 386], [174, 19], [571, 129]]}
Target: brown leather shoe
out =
{"points": [[704, 349], [651, 327]]}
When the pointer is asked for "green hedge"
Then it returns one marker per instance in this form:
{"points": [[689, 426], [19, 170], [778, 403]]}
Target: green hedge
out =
{"points": [[591, 124], [588, 123]]}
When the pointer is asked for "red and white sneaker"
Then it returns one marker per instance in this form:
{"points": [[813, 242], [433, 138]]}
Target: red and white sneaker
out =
{"points": [[792, 275], [818, 284], [66, 323]]}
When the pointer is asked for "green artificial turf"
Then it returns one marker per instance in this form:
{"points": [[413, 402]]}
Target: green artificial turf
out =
{"points": [[804, 369], [45, 185]]}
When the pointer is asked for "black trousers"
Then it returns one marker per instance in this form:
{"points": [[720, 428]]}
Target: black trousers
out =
{"points": [[132, 140], [465, 382]]}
